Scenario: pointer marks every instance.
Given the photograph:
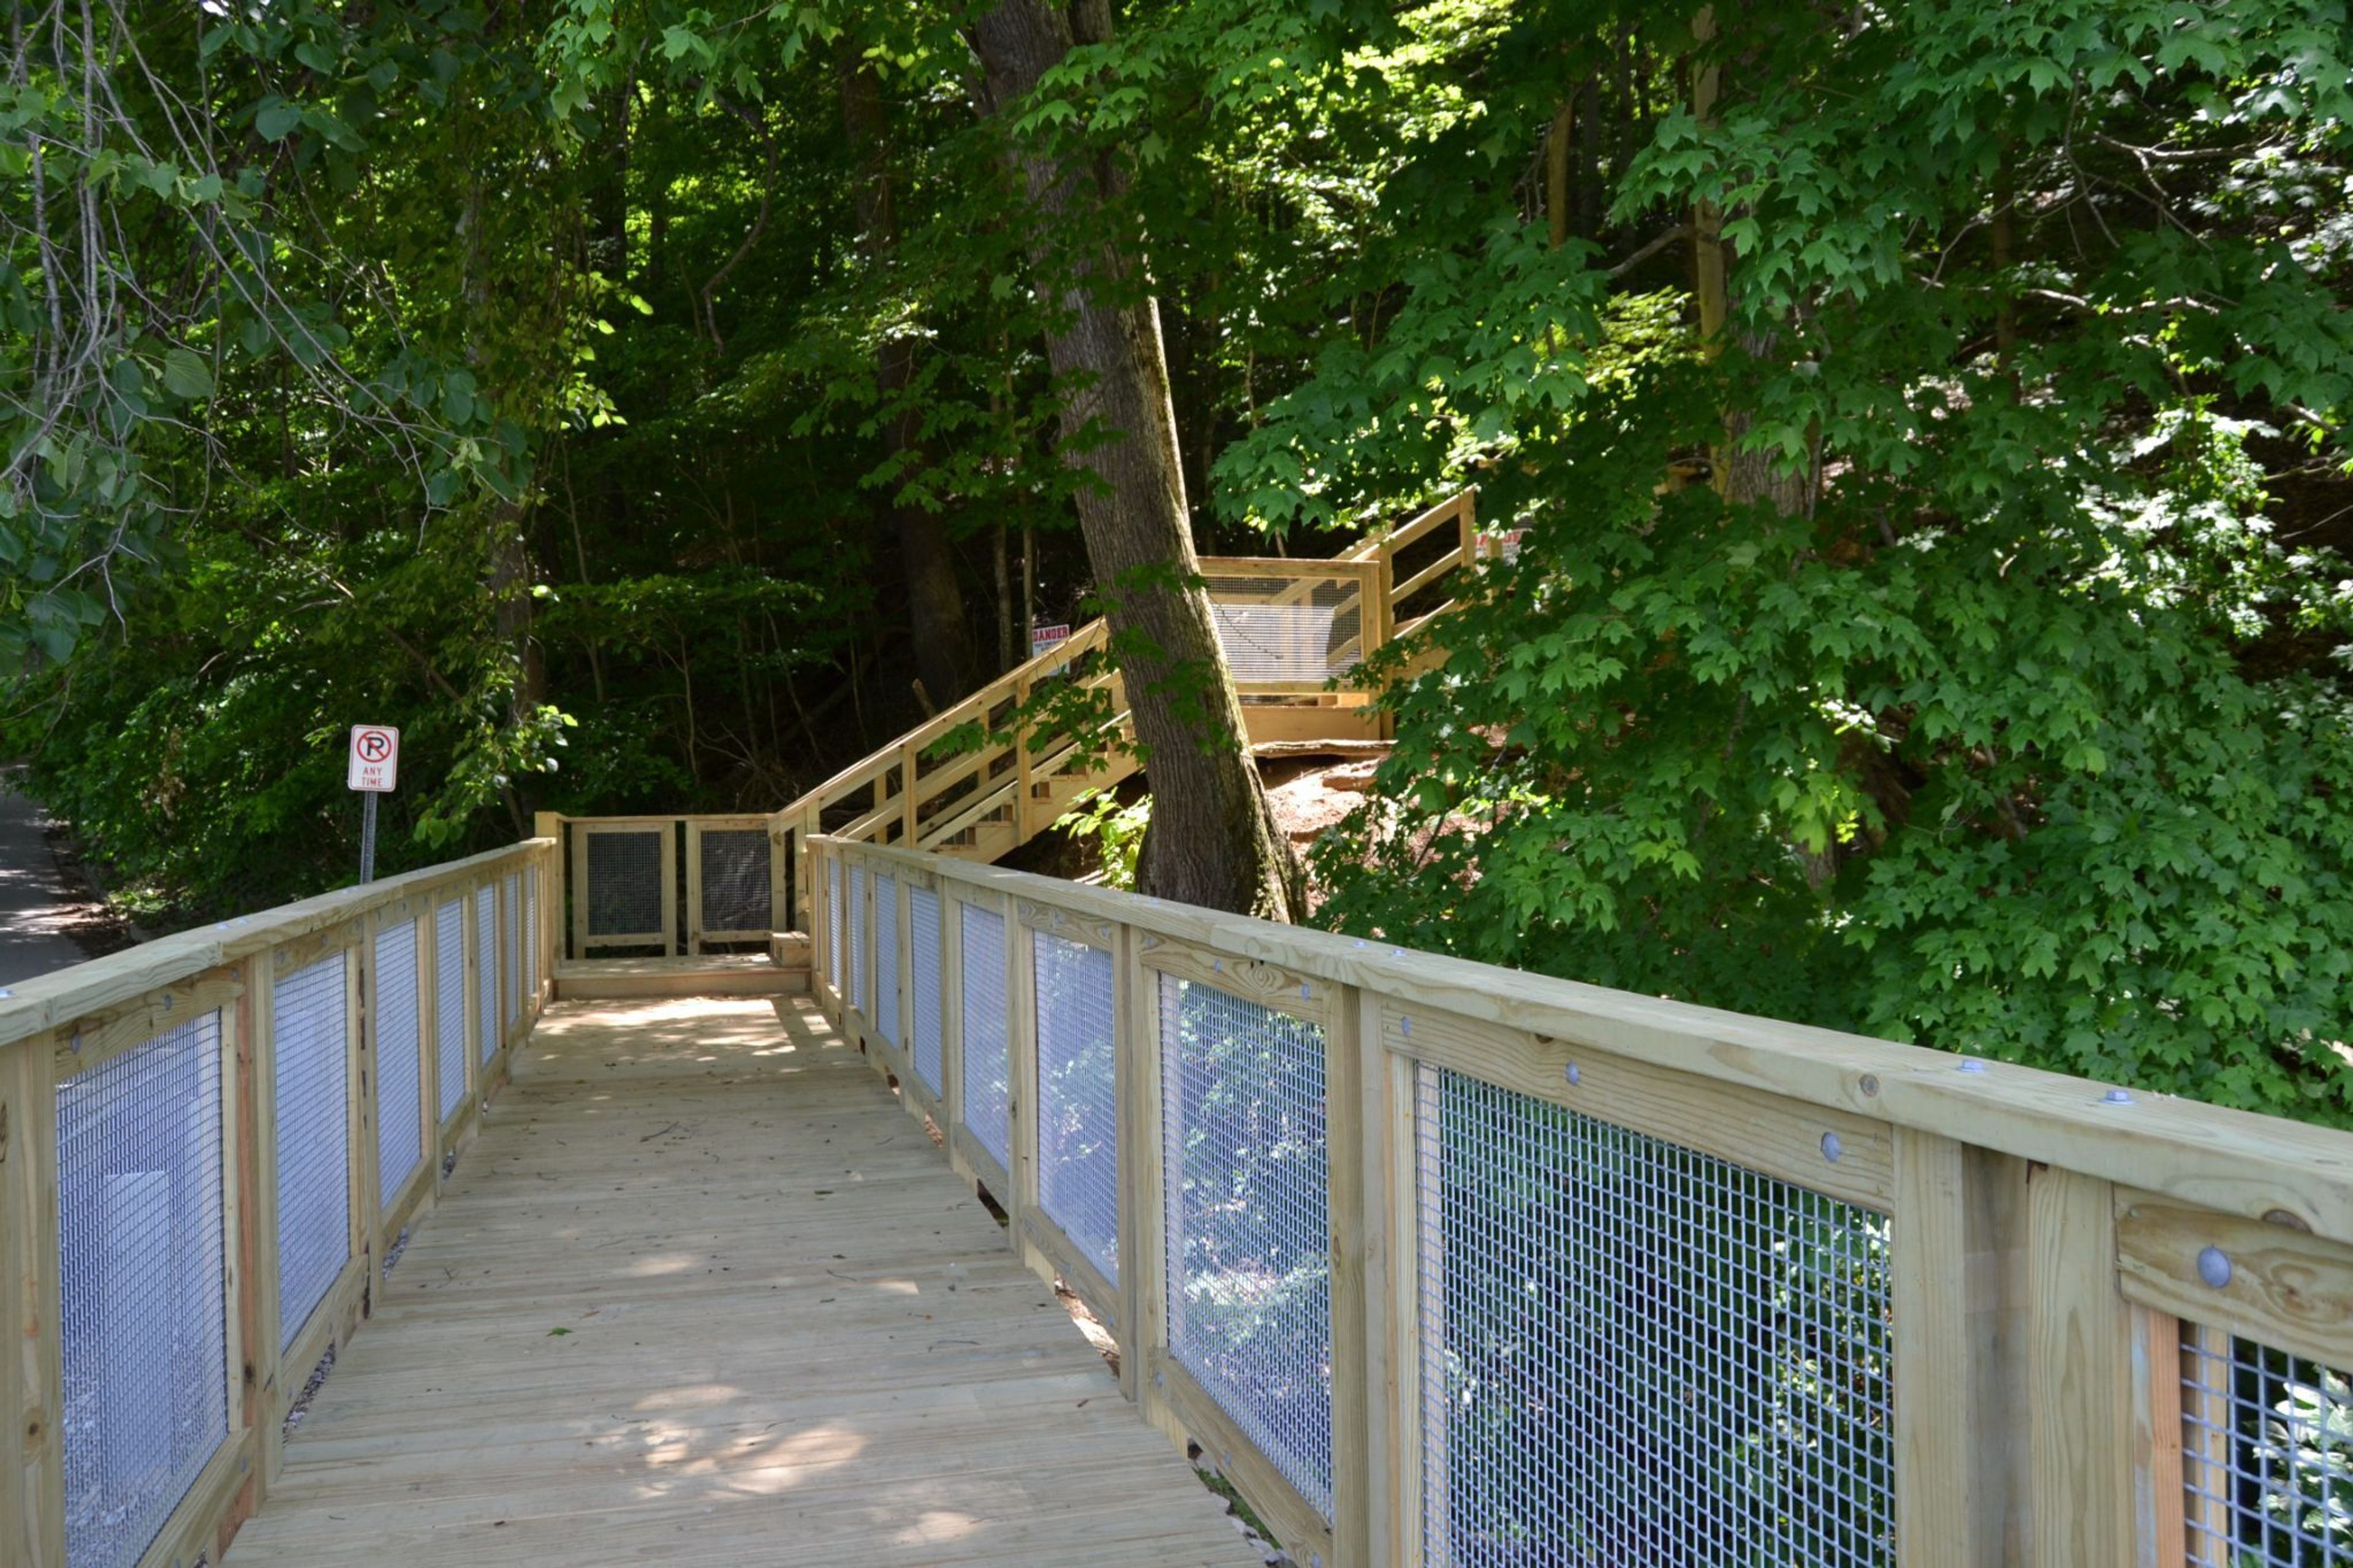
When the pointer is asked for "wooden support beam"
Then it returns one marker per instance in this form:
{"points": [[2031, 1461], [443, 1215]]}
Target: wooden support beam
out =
{"points": [[2079, 1377], [32, 1376]]}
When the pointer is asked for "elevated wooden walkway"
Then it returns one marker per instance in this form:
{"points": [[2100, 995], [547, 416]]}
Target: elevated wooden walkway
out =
{"points": [[700, 1293]]}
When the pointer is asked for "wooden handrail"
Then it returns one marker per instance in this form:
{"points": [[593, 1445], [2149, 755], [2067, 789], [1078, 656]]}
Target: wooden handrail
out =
{"points": [[1371, 563], [231, 1142], [2045, 1250]]}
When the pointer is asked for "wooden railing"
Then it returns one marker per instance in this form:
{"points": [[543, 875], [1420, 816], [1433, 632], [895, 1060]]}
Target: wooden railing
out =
{"points": [[1440, 1263], [208, 1145], [1289, 628]]}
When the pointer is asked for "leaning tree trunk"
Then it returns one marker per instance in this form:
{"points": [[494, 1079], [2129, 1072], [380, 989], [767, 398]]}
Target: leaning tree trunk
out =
{"points": [[946, 658], [1212, 839]]}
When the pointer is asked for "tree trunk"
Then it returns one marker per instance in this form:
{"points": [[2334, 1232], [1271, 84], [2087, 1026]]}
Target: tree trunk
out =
{"points": [[1741, 474], [1212, 839], [948, 658]]}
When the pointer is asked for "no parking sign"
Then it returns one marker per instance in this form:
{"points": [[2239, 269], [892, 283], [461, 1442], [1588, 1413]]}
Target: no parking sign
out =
{"points": [[375, 758]]}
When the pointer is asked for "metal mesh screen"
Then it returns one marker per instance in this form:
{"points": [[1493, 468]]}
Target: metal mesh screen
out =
{"points": [[830, 871], [1300, 629], [1077, 1101], [311, 1045], [1641, 1354], [486, 971], [2266, 1455], [862, 992], [399, 1062], [531, 938], [886, 957], [985, 1037], [143, 1325], [450, 1002], [923, 955], [511, 928], [735, 879], [625, 881], [1250, 1280]]}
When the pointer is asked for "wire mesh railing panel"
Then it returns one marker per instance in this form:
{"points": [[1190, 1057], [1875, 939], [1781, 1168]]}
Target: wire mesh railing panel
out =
{"points": [[1077, 1099], [2266, 1455], [140, 1276], [886, 957], [625, 881], [309, 1033], [924, 953], [829, 872], [399, 1062], [486, 971], [450, 1002], [531, 937], [985, 1039], [1300, 630], [862, 992], [1639, 1354], [735, 896], [1250, 1278]]}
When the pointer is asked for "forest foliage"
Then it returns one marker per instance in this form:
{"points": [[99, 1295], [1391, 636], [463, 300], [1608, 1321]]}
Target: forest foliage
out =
{"points": [[1927, 427]]}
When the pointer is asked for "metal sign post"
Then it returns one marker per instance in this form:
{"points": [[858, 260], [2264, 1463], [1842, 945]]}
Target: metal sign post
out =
{"points": [[375, 768]]}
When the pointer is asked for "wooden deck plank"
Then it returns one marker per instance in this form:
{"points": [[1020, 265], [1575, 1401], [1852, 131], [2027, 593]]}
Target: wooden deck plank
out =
{"points": [[789, 1334]]}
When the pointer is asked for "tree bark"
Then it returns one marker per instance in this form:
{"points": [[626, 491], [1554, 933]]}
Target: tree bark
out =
{"points": [[1741, 474], [947, 656], [1212, 839]]}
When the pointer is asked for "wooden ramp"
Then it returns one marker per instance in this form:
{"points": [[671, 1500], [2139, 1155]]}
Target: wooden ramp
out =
{"points": [[700, 1293]]}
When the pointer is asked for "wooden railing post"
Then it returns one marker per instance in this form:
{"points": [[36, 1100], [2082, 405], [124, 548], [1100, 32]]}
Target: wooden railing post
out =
{"points": [[360, 1153], [1021, 1077], [32, 1368], [2079, 1377], [1021, 764], [907, 828], [1951, 1488], [263, 1352], [1143, 1168], [553, 900], [1376, 1458], [1350, 1163], [780, 891]]}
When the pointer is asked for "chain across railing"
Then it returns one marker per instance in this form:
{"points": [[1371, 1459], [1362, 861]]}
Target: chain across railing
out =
{"points": [[1441, 1264], [208, 1144]]}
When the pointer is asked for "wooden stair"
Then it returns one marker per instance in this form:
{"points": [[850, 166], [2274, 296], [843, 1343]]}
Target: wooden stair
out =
{"points": [[981, 803]]}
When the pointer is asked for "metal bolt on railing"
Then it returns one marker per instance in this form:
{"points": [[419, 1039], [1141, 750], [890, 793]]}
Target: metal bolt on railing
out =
{"points": [[2117, 1097], [1831, 1147], [1405, 1027], [1570, 1072], [2214, 1268], [1972, 1065]]}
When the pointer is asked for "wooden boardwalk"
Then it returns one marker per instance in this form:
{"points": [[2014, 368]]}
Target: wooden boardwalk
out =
{"points": [[702, 1293]]}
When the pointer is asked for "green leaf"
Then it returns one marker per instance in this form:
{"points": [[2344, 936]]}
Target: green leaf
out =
{"points": [[276, 119], [188, 375]]}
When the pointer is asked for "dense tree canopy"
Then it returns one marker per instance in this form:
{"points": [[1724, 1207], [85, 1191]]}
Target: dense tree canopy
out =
{"points": [[1926, 424]]}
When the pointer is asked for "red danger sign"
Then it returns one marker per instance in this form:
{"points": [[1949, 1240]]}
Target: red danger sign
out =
{"points": [[375, 758]]}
